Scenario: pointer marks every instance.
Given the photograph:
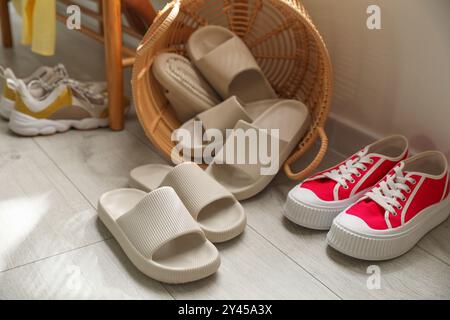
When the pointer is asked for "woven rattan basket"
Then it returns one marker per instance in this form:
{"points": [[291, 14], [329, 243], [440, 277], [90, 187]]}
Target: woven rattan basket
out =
{"points": [[281, 36]]}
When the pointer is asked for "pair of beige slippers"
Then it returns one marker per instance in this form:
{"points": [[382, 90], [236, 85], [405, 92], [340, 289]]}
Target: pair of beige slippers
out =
{"points": [[167, 224], [223, 86]]}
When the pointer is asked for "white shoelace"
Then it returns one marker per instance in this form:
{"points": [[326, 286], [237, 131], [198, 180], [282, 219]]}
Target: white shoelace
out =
{"points": [[390, 191], [83, 90], [352, 167]]}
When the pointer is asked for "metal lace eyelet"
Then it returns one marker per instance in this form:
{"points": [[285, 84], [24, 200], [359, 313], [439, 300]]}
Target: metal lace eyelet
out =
{"points": [[358, 174], [399, 207], [364, 169], [394, 214], [414, 181], [371, 161], [345, 187], [352, 181], [408, 191], [404, 199]]}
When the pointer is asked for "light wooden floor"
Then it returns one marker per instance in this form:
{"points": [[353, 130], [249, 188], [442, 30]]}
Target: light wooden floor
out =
{"points": [[53, 246]]}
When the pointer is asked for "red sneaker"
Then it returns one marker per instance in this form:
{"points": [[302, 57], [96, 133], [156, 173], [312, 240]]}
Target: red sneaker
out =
{"points": [[318, 200], [392, 217]]}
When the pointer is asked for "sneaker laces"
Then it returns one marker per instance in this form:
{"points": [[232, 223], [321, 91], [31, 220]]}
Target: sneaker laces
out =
{"points": [[389, 191], [50, 80], [83, 90], [61, 70], [351, 167]]}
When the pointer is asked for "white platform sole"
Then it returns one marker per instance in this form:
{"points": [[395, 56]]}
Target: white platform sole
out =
{"points": [[26, 125], [388, 244], [154, 270], [6, 107], [314, 217]]}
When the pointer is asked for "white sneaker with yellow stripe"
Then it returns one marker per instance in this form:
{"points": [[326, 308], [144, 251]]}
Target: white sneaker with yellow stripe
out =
{"points": [[8, 91], [7, 102], [59, 107]]}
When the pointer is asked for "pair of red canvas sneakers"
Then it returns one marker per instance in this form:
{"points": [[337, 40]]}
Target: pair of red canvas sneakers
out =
{"points": [[378, 203]]}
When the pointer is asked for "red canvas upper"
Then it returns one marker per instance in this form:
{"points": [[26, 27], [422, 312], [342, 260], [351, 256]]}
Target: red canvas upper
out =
{"points": [[324, 187], [424, 191]]}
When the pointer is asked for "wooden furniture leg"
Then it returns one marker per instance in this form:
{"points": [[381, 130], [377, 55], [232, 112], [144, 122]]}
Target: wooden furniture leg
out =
{"points": [[5, 24], [112, 26]]}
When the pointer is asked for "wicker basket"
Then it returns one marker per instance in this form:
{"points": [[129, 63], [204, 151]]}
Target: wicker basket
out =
{"points": [[283, 40]]}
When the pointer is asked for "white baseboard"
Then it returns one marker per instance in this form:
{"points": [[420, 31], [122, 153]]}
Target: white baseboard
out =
{"points": [[346, 138]]}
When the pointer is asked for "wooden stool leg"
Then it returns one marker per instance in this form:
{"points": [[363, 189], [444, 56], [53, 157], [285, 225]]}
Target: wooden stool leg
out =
{"points": [[5, 24], [112, 26]]}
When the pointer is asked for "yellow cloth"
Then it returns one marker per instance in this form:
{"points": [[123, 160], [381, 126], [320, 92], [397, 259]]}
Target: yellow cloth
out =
{"points": [[39, 24]]}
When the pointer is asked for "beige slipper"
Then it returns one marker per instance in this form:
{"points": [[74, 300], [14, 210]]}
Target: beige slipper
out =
{"points": [[228, 65], [291, 118], [223, 116], [184, 87], [158, 234], [218, 213]]}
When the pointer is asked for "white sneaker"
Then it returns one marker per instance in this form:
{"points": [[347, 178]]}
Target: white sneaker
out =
{"points": [[59, 107], [8, 92]]}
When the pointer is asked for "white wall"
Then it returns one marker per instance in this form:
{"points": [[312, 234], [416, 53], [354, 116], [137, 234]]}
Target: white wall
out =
{"points": [[394, 80]]}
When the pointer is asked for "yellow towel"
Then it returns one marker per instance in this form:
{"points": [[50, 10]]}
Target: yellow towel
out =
{"points": [[39, 24]]}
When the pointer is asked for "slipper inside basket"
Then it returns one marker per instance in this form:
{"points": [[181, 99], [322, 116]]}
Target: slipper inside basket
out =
{"points": [[281, 37]]}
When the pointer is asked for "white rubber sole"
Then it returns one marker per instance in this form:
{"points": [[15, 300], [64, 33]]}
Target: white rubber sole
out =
{"points": [[26, 125], [388, 244], [6, 107], [314, 217]]}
